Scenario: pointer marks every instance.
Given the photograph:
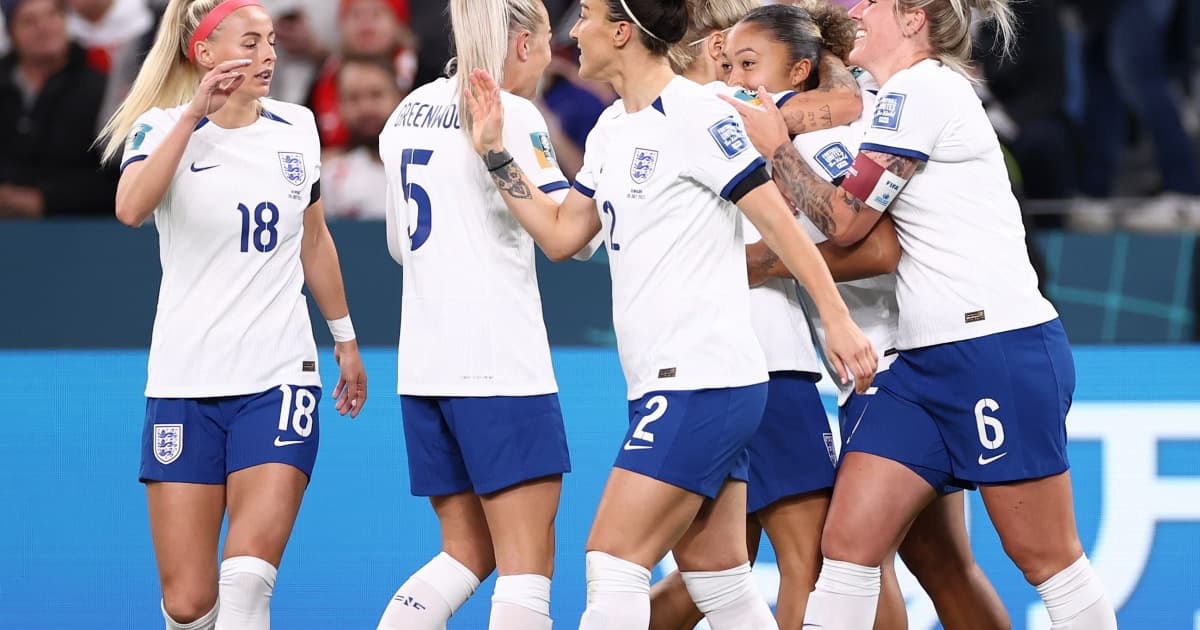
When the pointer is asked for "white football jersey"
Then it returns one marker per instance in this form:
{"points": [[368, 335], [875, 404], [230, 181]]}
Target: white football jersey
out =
{"points": [[661, 178], [471, 315], [965, 272], [232, 318]]}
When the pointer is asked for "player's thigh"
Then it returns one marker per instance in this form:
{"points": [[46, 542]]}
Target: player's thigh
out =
{"points": [[185, 525], [1036, 523], [714, 542], [937, 545], [263, 503], [794, 526], [521, 520], [874, 500], [465, 533], [640, 518]]}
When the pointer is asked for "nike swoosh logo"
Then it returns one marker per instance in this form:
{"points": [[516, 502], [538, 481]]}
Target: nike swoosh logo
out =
{"points": [[629, 446], [201, 169], [984, 461], [279, 442]]}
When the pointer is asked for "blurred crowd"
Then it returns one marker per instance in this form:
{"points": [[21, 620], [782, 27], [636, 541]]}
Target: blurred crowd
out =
{"points": [[1097, 103]]}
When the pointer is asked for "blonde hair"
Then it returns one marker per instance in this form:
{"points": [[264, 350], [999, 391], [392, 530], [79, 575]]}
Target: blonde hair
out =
{"points": [[706, 17], [949, 24], [482, 29], [166, 79]]}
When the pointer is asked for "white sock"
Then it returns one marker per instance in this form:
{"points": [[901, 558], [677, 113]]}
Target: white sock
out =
{"points": [[845, 598], [207, 622], [521, 602], [1075, 599], [431, 596], [618, 594], [245, 594], [729, 599]]}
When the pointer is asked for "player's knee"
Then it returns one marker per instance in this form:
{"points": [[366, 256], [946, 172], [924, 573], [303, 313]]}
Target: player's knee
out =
{"points": [[184, 606], [711, 558], [1039, 559], [842, 543], [476, 554]]}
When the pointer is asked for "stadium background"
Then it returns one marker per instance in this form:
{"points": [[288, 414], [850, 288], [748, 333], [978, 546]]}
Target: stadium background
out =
{"points": [[78, 306]]}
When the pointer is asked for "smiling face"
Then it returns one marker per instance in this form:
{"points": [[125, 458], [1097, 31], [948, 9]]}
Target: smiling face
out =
{"points": [[594, 34], [245, 34], [879, 34], [754, 59]]}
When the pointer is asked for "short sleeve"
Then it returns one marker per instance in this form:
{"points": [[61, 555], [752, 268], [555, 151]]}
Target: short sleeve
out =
{"points": [[721, 155], [528, 140], [148, 132], [909, 117]]}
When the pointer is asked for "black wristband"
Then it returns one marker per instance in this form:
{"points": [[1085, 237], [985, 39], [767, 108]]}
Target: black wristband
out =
{"points": [[500, 166], [496, 160]]}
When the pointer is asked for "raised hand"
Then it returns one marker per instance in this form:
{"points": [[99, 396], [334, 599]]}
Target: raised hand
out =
{"points": [[487, 113], [216, 87]]}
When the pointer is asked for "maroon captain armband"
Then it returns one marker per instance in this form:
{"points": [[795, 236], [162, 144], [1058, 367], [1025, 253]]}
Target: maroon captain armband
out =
{"points": [[872, 184]]}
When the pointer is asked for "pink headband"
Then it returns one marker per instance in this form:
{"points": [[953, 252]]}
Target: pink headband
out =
{"points": [[213, 20]]}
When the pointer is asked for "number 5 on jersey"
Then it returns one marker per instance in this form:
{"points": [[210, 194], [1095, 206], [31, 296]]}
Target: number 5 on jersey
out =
{"points": [[414, 193]]}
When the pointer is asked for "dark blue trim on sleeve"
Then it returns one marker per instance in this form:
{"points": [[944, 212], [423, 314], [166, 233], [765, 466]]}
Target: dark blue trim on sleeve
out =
{"points": [[883, 148], [737, 179], [133, 160], [658, 104], [203, 121], [786, 97], [585, 190], [554, 186]]}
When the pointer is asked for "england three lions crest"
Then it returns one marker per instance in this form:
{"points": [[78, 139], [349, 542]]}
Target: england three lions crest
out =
{"points": [[644, 161], [168, 442], [293, 168]]}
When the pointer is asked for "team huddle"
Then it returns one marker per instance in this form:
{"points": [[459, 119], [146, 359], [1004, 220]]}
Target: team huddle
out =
{"points": [[780, 189]]}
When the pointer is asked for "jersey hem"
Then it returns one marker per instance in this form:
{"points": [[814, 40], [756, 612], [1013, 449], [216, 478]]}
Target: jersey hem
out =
{"points": [[916, 342], [640, 392], [450, 392], [227, 390]]}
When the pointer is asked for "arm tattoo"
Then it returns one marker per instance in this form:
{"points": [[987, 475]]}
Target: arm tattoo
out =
{"points": [[809, 193], [507, 175], [801, 120], [835, 75]]}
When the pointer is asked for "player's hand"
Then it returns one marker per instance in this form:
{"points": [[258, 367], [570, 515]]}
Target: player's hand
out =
{"points": [[851, 352], [351, 392], [487, 113], [216, 87], [765, 126]]}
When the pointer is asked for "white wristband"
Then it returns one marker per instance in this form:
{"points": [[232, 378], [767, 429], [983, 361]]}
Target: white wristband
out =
{"points": [[341, 329]]}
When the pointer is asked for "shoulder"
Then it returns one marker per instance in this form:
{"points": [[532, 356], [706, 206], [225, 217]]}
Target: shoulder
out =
{"points": [[288, 113], [521, 109]]}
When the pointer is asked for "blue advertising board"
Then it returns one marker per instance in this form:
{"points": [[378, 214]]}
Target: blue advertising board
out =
{"points": [[75, 548]]}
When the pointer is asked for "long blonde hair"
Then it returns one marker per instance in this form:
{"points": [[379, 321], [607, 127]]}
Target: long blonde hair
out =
{"points": [[704, 18], [482, 29], [950, 27], [166, 79]]}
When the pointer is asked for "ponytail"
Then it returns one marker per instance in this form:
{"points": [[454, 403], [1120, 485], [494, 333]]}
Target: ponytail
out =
{"points": [[481, 30], [949, 23], [166, 78]]}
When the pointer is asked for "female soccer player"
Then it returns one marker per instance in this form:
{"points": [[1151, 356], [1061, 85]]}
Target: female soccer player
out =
{"points": [[231, 178], [665, 166], [984, 378], [482, 422], [791, 454]]}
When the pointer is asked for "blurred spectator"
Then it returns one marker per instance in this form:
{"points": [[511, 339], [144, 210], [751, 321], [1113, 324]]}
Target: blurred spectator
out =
{"points": [[49, 99], [368, 28], [114, 32], [353, 184], [3, 36], [1029, 90], [1127, 72], [305, 32]]}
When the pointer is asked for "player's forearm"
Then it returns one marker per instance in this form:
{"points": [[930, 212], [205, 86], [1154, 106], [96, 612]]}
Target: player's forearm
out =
{"points": [[143, 185], [836, 101], [323, 273], [804, 261], [536, 211], [830, 208]]}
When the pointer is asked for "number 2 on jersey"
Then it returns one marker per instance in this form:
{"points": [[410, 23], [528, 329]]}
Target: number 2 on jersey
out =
{"points": [[611, 211], [416, 194]]}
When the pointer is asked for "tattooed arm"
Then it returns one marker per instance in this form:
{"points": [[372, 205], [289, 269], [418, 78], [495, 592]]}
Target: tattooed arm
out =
{"points": [[560, 226], [836, 101], [875, 255]]}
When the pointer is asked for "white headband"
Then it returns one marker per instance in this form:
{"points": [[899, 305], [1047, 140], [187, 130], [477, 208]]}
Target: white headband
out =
{"points": [[625, 5]]}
